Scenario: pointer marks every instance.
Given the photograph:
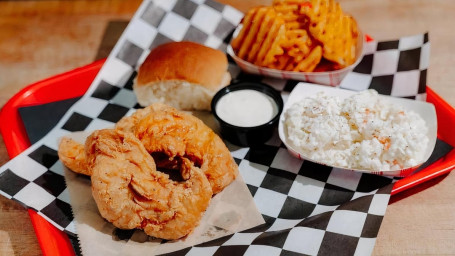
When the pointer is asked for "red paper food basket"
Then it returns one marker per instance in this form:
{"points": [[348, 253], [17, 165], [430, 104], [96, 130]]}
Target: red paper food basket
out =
{"points": [[74, 83]]}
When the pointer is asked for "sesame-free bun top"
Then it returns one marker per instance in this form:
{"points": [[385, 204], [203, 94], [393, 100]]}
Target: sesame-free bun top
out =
{"points": [[188, 61]]}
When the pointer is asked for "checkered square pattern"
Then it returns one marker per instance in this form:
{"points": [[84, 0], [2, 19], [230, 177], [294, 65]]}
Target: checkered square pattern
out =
{"points": [[397, 68], [11, 183], [77, 122], [309, 209]]}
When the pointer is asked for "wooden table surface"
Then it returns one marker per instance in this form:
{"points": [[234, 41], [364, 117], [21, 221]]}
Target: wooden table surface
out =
{"points": [[39, 39]]}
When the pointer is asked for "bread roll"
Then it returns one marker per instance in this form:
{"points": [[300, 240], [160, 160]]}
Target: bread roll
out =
{"points": [[184, 75]]}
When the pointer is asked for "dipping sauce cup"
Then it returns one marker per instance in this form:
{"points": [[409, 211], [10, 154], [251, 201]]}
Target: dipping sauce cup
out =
{"points": [[248, 112]]}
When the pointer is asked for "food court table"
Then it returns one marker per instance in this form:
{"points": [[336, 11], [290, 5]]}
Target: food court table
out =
{"points": [[39, 39]]}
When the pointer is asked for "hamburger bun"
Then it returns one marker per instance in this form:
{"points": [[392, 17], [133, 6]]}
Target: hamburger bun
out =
{"points": [[184, 75]]}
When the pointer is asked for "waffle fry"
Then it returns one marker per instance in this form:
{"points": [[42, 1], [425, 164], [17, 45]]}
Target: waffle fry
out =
{"points": [[253, 28], [260, 39], [247, 22], [275, 46], [298, 42], [262, 35], [282, 62], [298, 35], [311, 61], [336, 31]]}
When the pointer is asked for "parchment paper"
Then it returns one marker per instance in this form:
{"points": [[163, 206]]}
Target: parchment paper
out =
{"points": [[229, 211]]}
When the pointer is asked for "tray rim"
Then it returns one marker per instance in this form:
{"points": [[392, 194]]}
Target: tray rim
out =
{"points": [[52, 240], [55, 242]]}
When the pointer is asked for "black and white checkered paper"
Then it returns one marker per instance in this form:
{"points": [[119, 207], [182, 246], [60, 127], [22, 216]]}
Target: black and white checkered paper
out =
{"points": [[309, 209]]}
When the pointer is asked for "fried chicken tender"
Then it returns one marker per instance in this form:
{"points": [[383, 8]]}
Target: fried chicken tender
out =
{"points": [[131, 193], [177, 134], [173, 133], [72, 155]]}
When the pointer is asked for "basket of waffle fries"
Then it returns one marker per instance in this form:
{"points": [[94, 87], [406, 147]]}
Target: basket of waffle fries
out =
{"points": [[306, 40]]}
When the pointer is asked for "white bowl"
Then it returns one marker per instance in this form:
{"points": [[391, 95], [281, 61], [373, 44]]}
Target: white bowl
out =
{"points": [[331, 78], [424, 109]]}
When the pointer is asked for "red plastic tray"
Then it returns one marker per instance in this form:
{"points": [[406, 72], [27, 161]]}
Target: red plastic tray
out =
{"points": [[74, 83], [64, 86]]}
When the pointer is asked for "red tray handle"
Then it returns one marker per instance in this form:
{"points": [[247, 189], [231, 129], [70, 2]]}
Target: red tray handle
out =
{"points": [[75, 83], [446, 120]]}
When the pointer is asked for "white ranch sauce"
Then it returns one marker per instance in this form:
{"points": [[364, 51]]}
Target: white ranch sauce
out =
{"points": [[246, 108]]}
